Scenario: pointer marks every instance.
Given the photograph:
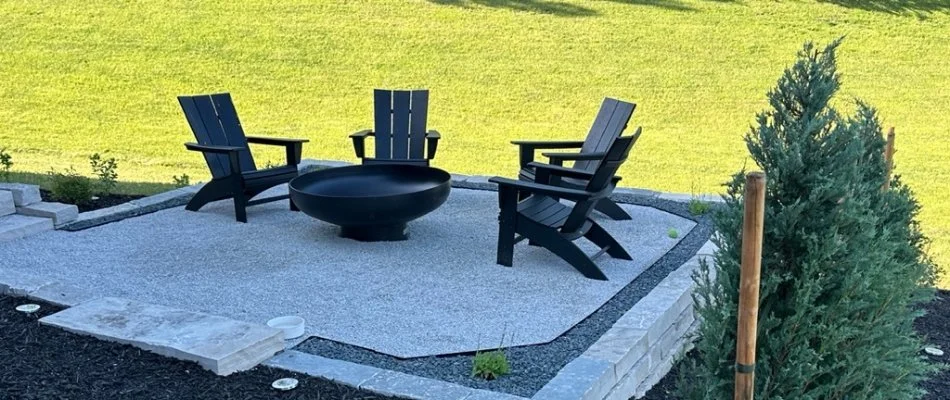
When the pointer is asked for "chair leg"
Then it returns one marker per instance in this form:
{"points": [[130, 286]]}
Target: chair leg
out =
{"points": [[550, 239], [612, 210], [240, 207], [211, 191], [507, 218], [601, 238]]}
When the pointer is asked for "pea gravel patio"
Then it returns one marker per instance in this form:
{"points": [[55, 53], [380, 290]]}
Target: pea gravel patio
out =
{"points": [[440, 292]]}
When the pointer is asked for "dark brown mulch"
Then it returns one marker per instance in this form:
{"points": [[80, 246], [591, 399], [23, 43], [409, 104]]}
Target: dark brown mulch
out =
{"points": [[103, 200], [41, 362], [934, 326]]}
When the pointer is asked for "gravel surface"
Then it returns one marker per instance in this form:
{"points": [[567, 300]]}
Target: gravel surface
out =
{"points": [[42, 362], [533, 366], [440, 292]]}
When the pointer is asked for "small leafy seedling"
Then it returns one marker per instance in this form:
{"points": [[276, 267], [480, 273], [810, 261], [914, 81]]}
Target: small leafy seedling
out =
{"points": [[673, 233], [105, 169], [697, 206], [181, 181], [490, 365], [6, 163]]}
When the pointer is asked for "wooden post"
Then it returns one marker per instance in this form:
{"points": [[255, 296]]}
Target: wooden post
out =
{"points": [[752, 226], [888, 159]]}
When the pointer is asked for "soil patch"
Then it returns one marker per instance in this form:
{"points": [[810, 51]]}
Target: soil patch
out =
{"points": [[42, 362], [934, 327], [101, 201]]}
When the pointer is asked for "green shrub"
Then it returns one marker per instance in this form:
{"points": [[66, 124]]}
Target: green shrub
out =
{"points": [[6, 164], [105, 169], [70, 187], [843, 266], [490, 364], [181, 181]]}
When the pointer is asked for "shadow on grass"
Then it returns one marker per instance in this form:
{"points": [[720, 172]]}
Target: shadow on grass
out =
{"points": [[920, 8], [121, 187], [558, 8], [564, 9]]}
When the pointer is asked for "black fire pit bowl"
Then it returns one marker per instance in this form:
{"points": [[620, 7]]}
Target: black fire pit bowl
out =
{"points": [[371, 202]]}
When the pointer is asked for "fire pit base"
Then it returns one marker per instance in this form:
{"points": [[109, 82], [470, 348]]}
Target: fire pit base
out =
{"points": [[376, 233]]}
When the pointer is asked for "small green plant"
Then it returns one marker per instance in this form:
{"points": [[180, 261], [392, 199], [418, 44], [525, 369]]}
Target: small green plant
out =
{"points": [[6, 163], [697, 206], [70, 187], [490, 364], [181, 181], [673, 233], [105, 169]]}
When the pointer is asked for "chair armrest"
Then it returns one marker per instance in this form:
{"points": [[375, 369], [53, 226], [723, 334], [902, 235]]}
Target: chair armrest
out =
{"points": [[537, 188], [362, 134], [574, 156], [526, 148], [232, 151], [293, 147], [273, 141], [208, 148], [549, 144], [432, 143], [359, 142], [564, 171]]}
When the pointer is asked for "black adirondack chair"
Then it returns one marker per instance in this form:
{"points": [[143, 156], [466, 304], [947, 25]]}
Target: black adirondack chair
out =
{"points": [[400, 129], [221, 140], [611, 121], [547, 222]]}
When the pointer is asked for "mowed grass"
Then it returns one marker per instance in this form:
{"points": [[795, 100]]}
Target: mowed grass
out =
{"points": [[94, 76]]}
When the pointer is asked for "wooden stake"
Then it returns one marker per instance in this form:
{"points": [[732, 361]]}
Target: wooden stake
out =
{"points": [[888, 159], [752, 226]]}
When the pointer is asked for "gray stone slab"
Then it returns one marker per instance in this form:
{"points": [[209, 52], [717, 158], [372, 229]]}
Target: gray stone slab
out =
{"points": [[60, 213], [23, 194], [171, 198], [17, 226], [479, 394], [397, 384], [102, 216], [620, 346], [219, 344], [662, 367], [581, 379], [61, 294], [372, 295], [338, 371], [7, 206], [476, 182], [19, 283]]}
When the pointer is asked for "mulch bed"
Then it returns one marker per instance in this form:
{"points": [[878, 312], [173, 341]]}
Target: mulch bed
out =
{"points": [[103, 201], [934, 326], [41, 362]]}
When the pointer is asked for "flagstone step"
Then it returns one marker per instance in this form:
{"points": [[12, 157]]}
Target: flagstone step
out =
{"points": [[60, 213], [6, 203], [23, 194], [16, 226], [219, 344]]}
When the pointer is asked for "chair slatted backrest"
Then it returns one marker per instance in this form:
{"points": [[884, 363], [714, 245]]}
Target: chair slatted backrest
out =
{"points": [[611, 121], [214, 121], [400, 127], [599, 183]]}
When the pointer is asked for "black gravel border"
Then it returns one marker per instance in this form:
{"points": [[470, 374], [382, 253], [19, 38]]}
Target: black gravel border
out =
{"points": [[534, 365], [44, 362]]}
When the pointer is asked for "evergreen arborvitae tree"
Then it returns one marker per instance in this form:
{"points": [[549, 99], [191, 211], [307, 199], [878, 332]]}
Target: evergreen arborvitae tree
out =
{"points": [[842, 264]]}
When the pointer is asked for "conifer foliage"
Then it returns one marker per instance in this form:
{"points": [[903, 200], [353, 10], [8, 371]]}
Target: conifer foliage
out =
{"points": [[843, 262]]}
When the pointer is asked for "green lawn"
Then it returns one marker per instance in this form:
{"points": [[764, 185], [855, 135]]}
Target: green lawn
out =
{"points": [[78, 77]]}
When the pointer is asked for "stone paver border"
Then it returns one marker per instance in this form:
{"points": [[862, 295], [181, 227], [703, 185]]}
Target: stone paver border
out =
{"points": [[631, 357]]}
